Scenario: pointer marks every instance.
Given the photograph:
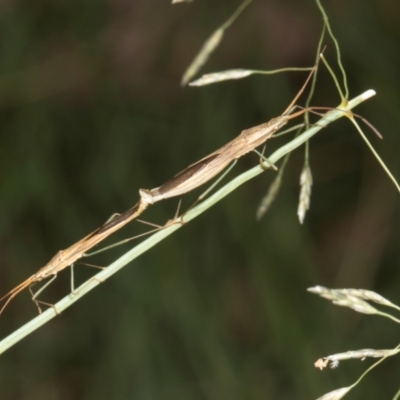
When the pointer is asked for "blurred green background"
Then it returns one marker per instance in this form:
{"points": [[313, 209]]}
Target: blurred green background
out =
{"points": [[92, 110]]}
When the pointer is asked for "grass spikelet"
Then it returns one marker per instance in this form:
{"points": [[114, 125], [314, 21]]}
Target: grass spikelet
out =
{"points": [[269, 198], [356, 354], [210, 45], [272, 192], [335, 394], [238, 73], [342, 299], [215, 77], [201, 58], [351, 298], [305, 192]]}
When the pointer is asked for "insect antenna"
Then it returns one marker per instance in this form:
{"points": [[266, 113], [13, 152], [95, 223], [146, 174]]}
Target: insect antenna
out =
{"points": [[14, 292]]}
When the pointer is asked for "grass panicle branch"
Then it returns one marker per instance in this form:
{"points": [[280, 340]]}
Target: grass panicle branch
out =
{"points": [[357, 300]]}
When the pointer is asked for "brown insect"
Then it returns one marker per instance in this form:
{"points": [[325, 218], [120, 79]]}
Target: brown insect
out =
{"points": [[185, 181]]}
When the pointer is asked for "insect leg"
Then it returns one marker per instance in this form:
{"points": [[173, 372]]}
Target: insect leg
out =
{"points": [[35, 295]]}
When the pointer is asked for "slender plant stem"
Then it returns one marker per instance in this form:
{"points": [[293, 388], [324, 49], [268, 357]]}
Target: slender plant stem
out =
{"points": [[150, 242]]}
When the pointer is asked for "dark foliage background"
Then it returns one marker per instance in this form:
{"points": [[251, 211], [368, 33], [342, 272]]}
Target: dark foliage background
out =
{"points": [[92, 110]]}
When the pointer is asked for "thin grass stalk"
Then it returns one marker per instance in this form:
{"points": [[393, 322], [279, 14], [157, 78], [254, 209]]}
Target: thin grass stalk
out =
{"points": [[147, 244]]}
